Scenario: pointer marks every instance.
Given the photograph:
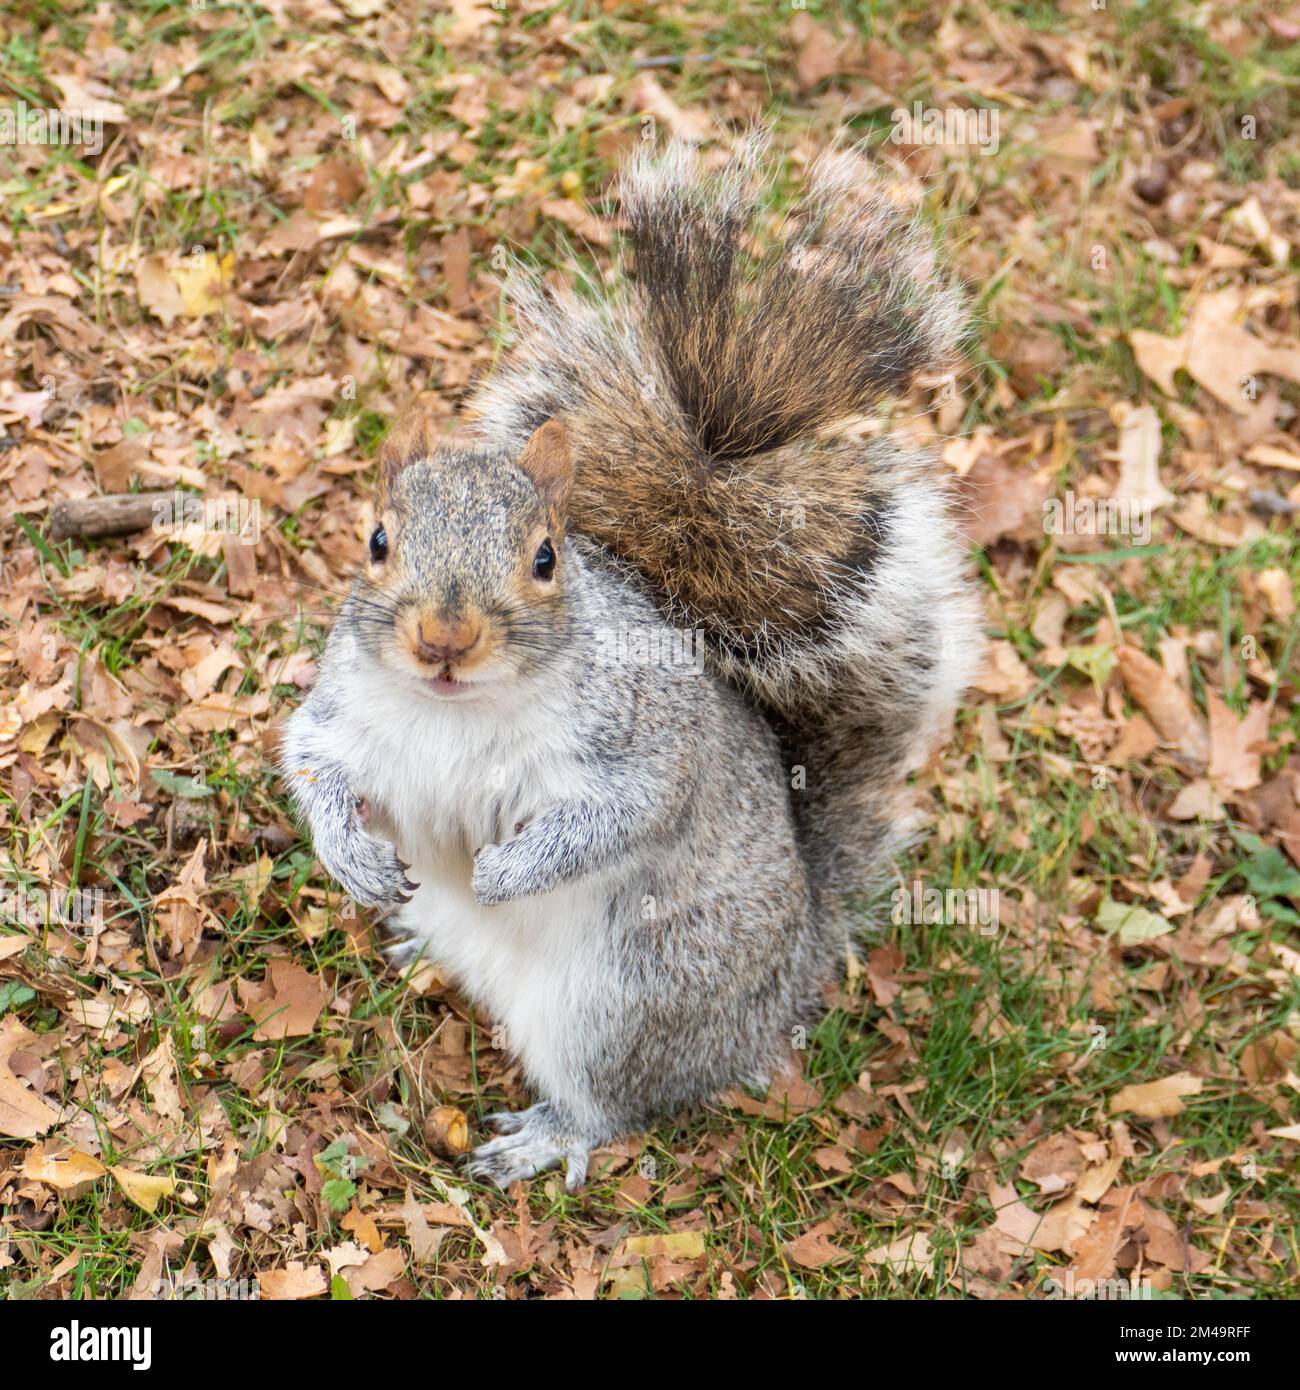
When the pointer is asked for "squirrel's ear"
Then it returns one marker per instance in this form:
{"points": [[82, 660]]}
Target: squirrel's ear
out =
{"points": [[547, 461], [413, 437]]}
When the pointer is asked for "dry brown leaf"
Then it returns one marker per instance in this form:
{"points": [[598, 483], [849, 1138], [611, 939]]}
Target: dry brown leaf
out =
{"points": [[595, 231], [287, 1005], [1275, 586], [1156, 1100], [819, 54], [1054, 1164], [85, 95], [905, 1255], [1196, 801], [1005, 675], [423, 1239], [173, 286], [1139, 458], [1096, 1182], [377, 1272], [1274, 456], [1227, 528], [646, 96], [1170, 707], [1217, 350], [179, 911], [295, 1281], [1096, 1251], [1234, 767], [23, 1114]]}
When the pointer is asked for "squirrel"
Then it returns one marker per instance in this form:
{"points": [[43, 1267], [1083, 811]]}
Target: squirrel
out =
{"points": [[647, 869]]}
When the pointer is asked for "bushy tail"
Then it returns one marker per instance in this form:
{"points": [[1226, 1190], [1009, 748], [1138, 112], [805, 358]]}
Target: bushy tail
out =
{"points": [[762, 351], [714, 407]]}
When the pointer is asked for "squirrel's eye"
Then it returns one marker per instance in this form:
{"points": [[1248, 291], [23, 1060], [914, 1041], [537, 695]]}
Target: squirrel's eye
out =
{"points": [[544, 561], [379, 545]]}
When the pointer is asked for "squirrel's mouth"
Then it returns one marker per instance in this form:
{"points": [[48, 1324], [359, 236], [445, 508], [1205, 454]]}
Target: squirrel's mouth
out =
{"points": [[444, 683]]}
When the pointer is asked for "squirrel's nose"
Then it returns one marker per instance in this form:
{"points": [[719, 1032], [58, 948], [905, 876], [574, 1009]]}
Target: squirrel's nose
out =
{"points": [[441, 642]]}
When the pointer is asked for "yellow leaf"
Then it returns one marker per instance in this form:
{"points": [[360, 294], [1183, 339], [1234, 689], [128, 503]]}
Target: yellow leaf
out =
{"points": [[255, 877], [145, 1190], [70, 1173], [188, 286], [680, 1245], [202, 280], [38, 733]]}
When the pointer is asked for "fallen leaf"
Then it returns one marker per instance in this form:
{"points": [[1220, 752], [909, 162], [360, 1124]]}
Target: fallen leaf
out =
{"points": [[144, 1189], [1130, 923], [819, 54], [291, 1006], [1169, 706], [173, 286], [23, 1114], [903, 1256], [646, 96], [1156, 1100], [295, 1281], [678, 1245], [1275, 586], [179, 912], [90, 98], [71, 1173], [1005, 675], [1054, 1164], [1234, 746], [423, 1239], [1096, 1251], [1217, 350], [1139, 459], [1196, 801], [377, 1272]]}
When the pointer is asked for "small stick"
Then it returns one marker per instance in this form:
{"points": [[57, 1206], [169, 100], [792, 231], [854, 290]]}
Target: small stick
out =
{"points": [[118, 514]]}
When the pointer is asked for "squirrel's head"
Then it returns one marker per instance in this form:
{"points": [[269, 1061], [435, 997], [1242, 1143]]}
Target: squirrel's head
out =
{"points": [[464, 581]]}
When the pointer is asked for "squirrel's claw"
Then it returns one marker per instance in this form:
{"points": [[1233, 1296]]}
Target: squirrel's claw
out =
{"points": [[528, 1145], [370, 870]]}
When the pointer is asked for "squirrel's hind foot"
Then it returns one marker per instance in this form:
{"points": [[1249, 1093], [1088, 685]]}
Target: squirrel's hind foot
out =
{"points": [[529, 1144]]}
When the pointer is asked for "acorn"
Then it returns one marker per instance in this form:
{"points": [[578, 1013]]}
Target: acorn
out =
{"points": [[446, 1132]]}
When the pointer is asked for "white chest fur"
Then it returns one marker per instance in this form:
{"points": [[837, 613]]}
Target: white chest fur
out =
{"points": [[446, 779]]}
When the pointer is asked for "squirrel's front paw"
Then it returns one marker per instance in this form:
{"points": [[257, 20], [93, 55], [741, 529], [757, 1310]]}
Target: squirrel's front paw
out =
{"points": [[369, 870], [497, 876]]}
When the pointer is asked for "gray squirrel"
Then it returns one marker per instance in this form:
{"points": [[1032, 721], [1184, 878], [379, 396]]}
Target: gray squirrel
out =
{"points": [[647, 870]]}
